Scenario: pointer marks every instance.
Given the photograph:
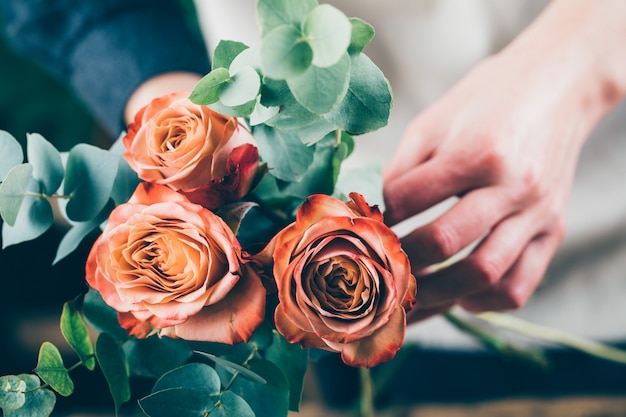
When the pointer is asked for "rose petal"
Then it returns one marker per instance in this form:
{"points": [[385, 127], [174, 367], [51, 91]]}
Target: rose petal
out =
{"points": [[293, 334]]}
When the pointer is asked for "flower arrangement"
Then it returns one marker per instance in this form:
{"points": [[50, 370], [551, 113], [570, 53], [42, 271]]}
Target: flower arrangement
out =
{"points": [[229, 243]]}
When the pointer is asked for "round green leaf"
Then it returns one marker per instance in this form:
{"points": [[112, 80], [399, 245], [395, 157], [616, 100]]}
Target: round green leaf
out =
{"points": [[12, 392], [39, 402], [274, 13], [225, 52], [313, 133], [207, 91], [198, 376], [262, 113], [73, 237], [11, 152], [232, 367], [251, 57], [12, 191], [114, 367], [46, 162], [244, 110], [362, 34], [52, 371], [328, 31], [75, 331], [292, 115], [320, 89], [285, 53], [232, 405], [179, 402], [90, 176], [240, 88], [367, 104]]}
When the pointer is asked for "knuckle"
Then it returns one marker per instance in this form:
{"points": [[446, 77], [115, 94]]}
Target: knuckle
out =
{"points": [[486, 272], [443, 242], [513, 299]]}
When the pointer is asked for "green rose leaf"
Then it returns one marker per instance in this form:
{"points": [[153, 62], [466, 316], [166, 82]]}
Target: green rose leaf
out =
{"points": [[154, 356], [101, 316], [285, 53], [46, 162], [293, 361], [197, 376], [114, 367], [90, 175], [320, 89], [233, 214], [232, 367], [73, 237], [179, 402], [328, 31], [274, 13], [12, 392], [362, 34], [266, 400], [287, 157], [34, 218], [232, 405], [225, 52], [75, 332], [207, 91], [39, 402], [52, 371], [241, 88], [12, 191], [367, 104], [11, 152]]}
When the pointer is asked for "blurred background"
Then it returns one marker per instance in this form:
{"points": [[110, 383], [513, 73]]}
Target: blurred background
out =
{"points": [[32, 294]]}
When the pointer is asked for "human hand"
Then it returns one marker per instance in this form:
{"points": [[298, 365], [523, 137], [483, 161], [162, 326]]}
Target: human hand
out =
{"points": [[505, 140]]}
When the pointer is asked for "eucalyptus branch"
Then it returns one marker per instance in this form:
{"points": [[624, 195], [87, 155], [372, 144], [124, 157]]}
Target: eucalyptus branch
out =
{"points": [[252, 354], [47, 385]]}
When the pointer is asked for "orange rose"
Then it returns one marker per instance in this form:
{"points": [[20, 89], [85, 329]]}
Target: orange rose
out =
{"points": [[191, 148], [344, 283], [165, 263]]}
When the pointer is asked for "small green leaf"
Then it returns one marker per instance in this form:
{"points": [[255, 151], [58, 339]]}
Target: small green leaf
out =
{"points": [[232, 367], [11, 151], [198, 376], [244, 110], [154, 356], [293, 361], [101, 316], [12, 392], [126, 181], [232, 405], [262, 113], [46, 162], [367, 104], [311, 134], [240, 88], [362, 34], [39, 402], [90, 175], [75, 332], [287, 157], [52, 371], [328, 31], [225, 52], [251, 57], [285, 53], [366, 180], [274, 13], [179, 402], [73, 237], [207, 91], [114, 367], [12, 191], [320, 89], [233, 214], [292, 115]]}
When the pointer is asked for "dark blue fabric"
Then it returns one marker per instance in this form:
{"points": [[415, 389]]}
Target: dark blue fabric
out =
{"points": [[104, 49]]}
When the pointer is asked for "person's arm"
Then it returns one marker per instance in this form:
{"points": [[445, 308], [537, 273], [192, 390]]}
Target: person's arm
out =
{"points": [[105, 50], [506, 141]]}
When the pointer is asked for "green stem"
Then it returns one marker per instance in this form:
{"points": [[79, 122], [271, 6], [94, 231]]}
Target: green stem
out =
{"points": [[366, 399], [560, 337], [70, 369], [254, 351]]}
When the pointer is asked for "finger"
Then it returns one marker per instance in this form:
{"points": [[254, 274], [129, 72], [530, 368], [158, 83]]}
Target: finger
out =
{"points": [[419, 314], [514, 290], [422, 187], [412, 151], [474, 215], [481, 269]]}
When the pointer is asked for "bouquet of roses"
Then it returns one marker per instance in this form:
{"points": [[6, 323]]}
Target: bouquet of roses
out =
{"points": [[227, 243]]}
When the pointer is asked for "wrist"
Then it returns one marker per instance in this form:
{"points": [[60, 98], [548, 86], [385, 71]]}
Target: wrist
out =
{"points": [[157, 86]]}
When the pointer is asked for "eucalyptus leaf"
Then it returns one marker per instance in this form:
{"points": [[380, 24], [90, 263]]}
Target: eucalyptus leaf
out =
{"points": [[244, 110], [34, 218], [46, 162], [366, 180], [328, 31], [313, 133], [52, 371], [12, 392], [241, 88], [179, 402], [320, 89], [72, 238], [232, 405], [287, 157], [198, 376], [262, 113], [232, 367], [11, 151], [101, 316], [207, 90], [291, 114], [90, 175], [75, 331], [154, 356], [367, 104], [362, 34], [12, 191], [285, 53], [225, 52], [114, 367], [39, 402], [274, 13], [233, 214], [251, 57], [126, 181]]}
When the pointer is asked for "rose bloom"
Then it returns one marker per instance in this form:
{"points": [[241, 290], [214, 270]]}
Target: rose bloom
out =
{"points": [[193, 149], [344, 284], [165, 263]]}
